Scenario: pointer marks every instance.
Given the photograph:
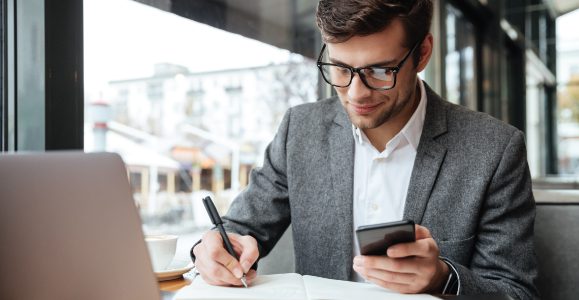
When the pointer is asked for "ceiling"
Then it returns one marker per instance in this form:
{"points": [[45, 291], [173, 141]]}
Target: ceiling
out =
{"points": [[561, 7]]}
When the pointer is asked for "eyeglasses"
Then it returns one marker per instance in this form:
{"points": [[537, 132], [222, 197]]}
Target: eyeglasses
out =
{"points": [[375, 78]]}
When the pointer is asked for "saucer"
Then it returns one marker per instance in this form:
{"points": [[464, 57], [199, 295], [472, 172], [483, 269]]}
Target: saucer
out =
{"points": [[174, 270]]}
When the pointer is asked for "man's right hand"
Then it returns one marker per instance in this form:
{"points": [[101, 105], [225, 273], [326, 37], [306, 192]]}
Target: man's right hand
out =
{"points": [[216, 266]]}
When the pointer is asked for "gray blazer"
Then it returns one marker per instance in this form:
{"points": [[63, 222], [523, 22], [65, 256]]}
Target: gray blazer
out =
{"points": [[470, 187]]}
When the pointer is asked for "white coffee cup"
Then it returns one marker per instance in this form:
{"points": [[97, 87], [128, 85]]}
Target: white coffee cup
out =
{"points": [[161, 250]]}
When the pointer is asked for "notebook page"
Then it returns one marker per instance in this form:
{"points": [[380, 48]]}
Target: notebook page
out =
{"points": [[322, 288], [280, 286]]}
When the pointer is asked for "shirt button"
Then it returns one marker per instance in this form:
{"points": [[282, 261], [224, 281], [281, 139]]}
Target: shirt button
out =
{"points": [[374, 207]]}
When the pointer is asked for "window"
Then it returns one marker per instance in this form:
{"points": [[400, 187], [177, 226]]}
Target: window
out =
{"points": [[461, 68], [155, 91], [568, 93], [191, 107]]}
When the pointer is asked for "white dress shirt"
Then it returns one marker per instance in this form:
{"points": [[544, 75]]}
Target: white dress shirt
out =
{"points": [[381, 178]]}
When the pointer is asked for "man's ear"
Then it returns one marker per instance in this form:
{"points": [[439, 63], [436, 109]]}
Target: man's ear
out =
{"points": [[425, 52]]}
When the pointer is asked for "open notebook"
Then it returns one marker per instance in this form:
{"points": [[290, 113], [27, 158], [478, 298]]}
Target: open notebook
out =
{"points": [[292, 286]]}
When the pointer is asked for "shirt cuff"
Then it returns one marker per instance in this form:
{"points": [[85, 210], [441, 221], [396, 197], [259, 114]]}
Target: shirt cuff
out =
{"points": [[452, 285], [191, 251]]}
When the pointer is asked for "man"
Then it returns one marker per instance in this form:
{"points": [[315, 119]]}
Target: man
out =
{"points": [[387, 148]]}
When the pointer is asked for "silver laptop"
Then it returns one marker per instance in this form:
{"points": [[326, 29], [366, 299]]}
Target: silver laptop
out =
{"points": [[69, 229]]}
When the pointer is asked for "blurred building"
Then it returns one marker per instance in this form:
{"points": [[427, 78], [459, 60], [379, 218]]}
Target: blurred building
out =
{"points": [[207, 130]]}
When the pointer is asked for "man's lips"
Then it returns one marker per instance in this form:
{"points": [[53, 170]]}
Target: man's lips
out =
{"points": [[365, 109]]}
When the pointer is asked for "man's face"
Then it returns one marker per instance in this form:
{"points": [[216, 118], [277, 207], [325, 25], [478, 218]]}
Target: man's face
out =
{"points": [[367, 108]]}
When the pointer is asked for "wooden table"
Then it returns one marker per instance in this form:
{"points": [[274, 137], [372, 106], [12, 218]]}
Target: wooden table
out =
{"points": [[170, 287]]}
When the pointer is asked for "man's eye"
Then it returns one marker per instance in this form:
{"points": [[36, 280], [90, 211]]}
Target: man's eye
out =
{"points": [[343, 70], [375, 72], [379, 73]]}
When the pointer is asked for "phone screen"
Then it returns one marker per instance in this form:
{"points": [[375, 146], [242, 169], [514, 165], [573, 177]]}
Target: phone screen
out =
{"points": [[375, 239]]}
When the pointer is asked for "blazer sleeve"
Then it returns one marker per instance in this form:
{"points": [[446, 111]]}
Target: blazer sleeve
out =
{"points": [[504, 256], [262, 210]]}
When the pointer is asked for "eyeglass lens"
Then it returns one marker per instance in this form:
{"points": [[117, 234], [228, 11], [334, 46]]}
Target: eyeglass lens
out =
{"points": [[375, 77]]}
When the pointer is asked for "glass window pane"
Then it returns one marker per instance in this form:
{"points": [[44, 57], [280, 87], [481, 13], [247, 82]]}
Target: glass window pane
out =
{"points": [[189, 107], [30, 73], [568, 93], [461, 85]]}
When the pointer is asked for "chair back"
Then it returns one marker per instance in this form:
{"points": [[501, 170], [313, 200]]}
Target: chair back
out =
{"points": [[281, 258], [557, 248]]}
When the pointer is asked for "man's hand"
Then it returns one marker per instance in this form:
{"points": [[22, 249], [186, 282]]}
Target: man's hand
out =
{"points": [[217, 266], [408, 268]]}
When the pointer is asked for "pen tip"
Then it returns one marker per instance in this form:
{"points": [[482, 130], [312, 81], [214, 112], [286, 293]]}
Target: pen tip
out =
{"points": [[244, 281]]}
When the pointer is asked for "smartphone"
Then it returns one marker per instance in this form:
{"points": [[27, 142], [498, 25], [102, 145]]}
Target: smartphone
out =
{"points": [[375, 239]]}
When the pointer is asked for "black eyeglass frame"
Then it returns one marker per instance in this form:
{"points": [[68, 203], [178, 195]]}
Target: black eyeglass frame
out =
{"points": [[353, 70]]}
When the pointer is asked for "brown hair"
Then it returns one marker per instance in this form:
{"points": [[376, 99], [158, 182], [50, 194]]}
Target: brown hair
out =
{"points": [[339, 20]]}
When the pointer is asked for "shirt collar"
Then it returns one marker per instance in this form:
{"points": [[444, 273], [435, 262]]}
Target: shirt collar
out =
{"points": [[413, 128]]}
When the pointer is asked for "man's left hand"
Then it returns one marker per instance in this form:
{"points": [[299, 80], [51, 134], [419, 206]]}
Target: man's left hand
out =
{"points": [[409, 267]]}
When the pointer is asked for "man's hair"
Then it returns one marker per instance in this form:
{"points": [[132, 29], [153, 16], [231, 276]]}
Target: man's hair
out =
{"points": [[339, 20]]}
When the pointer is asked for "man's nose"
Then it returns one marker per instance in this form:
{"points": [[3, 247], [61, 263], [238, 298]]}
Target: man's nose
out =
{"points": [[357, 89]]}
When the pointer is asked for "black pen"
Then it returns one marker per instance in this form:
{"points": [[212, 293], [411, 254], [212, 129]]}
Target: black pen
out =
{"points": [[216, 220]]}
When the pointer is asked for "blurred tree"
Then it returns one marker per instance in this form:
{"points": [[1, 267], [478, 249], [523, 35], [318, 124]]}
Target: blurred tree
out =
{"points": [[569, 100]]}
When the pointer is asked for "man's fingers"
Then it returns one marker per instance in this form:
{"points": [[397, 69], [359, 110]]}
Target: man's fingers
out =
{"points": [[400, 265], [420, 248], [218, 267], [212, 281], [424, 246], [215, 273], [249, 253], [214, 251], [402, 288], [388, 276], [408, 268], [250, 276], [246, 249], [228, 272], [422, 232], [230, 264], [401, 250]]}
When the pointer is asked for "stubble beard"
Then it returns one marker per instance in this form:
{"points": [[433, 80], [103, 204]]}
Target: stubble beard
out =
{"points": [[371, 122]]}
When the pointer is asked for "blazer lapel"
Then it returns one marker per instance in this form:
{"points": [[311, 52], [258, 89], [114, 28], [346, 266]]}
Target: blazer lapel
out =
{"points": [[429, 157], [341, 143]]}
